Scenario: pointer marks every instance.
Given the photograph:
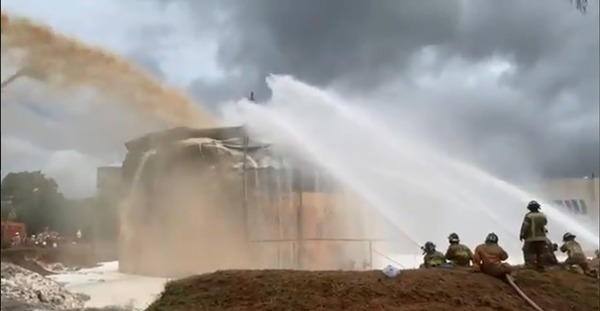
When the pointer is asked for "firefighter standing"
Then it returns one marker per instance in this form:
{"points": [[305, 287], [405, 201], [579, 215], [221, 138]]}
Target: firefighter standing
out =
{"points": [[533, 233]]}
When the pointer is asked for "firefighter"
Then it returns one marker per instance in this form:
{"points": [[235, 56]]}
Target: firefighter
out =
{"points": [[533, 233], [575, 255], [489, 256], [431, 257], [16, 240], [550, 257], [458, 254]]}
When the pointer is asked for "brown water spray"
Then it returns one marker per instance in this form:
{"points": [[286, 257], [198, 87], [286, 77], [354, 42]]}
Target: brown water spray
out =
{"points": [[66, 65]]}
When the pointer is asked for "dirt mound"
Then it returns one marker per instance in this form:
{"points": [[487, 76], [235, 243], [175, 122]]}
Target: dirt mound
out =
{"points": [[352, 290]]}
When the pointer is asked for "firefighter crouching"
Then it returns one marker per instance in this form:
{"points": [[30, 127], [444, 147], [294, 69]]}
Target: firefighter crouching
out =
{"points": [[458, 254], [489, 256], [533, 233], [549, 256], [575, 255], [431, 257]]}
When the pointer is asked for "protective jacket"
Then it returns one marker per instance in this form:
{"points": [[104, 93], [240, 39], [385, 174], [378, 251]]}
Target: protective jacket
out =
{"points": [[489, 253], [534, 227], [573, 250], [459, 254], [433, 259]]}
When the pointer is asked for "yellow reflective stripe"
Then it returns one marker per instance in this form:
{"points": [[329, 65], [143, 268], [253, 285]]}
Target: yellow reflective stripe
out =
{"points": [[532, 222]]}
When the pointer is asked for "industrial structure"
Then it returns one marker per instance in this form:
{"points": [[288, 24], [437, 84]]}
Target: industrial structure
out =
{"points": [[579, 197], [212, 199], [239, 199]]}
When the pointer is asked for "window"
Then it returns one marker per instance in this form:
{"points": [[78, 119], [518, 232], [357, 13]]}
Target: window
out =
{"points": [[573, 205], [583, 207]]}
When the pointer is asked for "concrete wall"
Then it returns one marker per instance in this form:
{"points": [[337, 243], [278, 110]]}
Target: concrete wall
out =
{"points": [[316, 231], [330, 216], [575, 196], [578, 196]]}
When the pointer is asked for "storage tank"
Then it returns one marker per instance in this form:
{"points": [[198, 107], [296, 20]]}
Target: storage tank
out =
{"points": [[202, 200]]}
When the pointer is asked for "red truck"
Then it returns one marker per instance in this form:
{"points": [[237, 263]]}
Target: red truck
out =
{"points": [[10, 229]]}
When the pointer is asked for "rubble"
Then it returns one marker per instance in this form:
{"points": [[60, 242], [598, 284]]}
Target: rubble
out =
{"points": [[23, 289]]}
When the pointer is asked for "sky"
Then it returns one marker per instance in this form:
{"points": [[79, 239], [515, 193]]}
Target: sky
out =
{"points": [[512, 83]]}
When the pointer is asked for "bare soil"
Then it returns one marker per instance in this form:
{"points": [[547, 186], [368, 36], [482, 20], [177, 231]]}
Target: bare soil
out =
{"points": [[426, 289]]}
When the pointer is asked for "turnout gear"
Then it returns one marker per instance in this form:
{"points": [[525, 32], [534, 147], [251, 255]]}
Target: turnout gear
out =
{"points": [[549, 257], [533, 232], [533, 227], [488, 257], [432, 258], [458, 254], [575, 255]]}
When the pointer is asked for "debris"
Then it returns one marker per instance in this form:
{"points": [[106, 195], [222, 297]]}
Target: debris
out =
{"points": [[22, 289], [391, 271]]}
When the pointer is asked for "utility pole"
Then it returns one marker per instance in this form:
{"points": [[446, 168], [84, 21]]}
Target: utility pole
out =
{"points": [[245, 142]]}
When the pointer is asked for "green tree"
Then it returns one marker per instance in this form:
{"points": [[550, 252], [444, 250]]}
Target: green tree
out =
{"points": [[35, 199]]}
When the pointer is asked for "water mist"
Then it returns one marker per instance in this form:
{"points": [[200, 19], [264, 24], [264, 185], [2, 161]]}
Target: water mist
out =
{"points": [[424, 193]]}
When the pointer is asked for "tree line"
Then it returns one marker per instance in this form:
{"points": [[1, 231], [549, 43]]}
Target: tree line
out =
{"points": [[35, 199]]}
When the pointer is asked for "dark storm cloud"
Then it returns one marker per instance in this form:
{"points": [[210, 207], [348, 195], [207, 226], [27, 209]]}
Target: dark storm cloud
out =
{"points": [[323, 41], [363, 43]]}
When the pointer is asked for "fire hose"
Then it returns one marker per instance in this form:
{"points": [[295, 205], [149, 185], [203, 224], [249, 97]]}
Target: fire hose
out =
{"points": [[512, 284]]}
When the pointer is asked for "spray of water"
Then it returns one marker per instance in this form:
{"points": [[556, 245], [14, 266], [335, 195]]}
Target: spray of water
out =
{"points": [[66, 66], [422, 192]]}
